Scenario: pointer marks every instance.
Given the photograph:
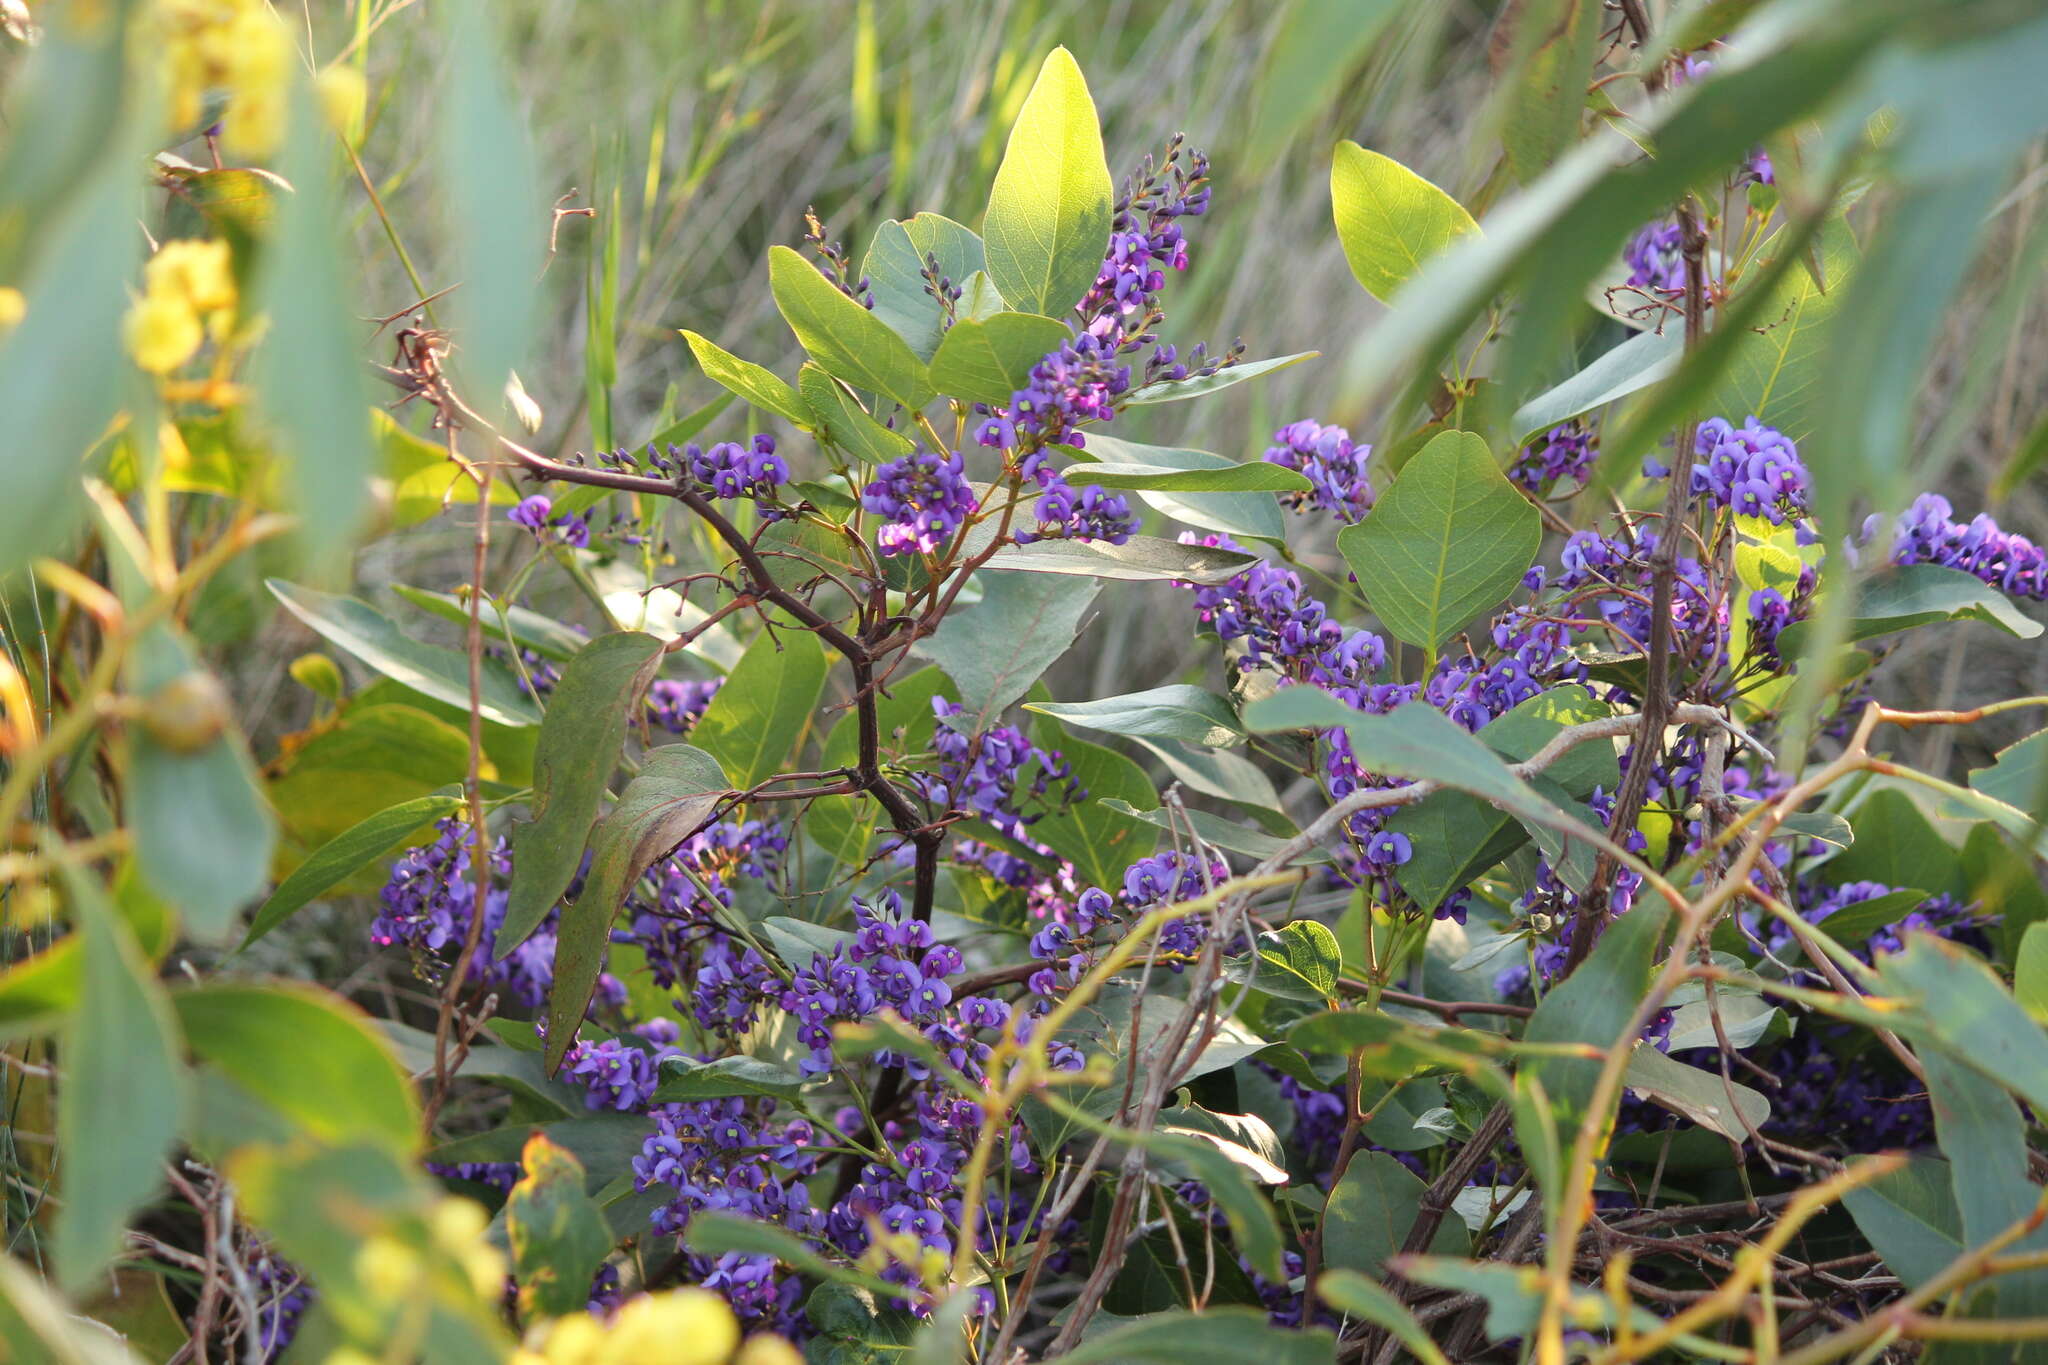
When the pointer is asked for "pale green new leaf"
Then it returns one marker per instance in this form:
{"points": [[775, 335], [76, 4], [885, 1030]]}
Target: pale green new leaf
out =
{"points": [[849, 341], [1049, 210], [1389, 219]]}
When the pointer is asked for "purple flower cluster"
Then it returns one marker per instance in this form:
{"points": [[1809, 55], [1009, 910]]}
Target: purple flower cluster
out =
{"points": [[1146, 241], [890, 963], [1086, 513], [1928, 534], [537, 514], [726, 470], [1560, 456], [1610, 579], [924, 499], [981, 773], [1333, 465], [676, 706], [427, 905], [1269, 615], [1655, 258], [675, 920], [1753, 470], [1079, 382]]}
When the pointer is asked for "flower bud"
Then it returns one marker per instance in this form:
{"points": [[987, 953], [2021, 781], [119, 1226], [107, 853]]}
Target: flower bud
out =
{"points": [[187, 713]]}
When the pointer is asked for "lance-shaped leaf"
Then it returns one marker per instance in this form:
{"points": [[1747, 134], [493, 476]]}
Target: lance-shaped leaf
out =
{"points": [[1141, 559], [435, 670], [1451, 538], [1727, 1107], [1217, 1336], [556, 1231], [685, 1078], [1222, 477], [988, 361], [677, 791], [124, 1094], [756, 384], [1389, 219], [1635, 364], [1201, 385], [1176, 711], [203, 831], [335, 860], [1414, 741], [838, 418], [1049, 211], [849, 341], [579, 747]]}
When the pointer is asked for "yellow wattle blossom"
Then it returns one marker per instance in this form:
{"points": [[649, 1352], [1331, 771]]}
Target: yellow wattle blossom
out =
{"points": [[768, 1349], [458, 1226], [13, 308], [344, 96], [188, 289], [239, 47], [162, 332], [675, 1327]]}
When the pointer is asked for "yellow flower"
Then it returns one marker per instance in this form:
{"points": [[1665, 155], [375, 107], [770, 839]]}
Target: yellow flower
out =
{"points": [[163, 332], [343, 97], [201, 271], [577, 1340], [680, 1327], [458, 1228], [13, 308], [388, 1268], [768, 1349]]}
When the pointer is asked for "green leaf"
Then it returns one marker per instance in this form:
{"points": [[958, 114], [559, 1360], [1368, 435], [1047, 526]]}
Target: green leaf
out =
{"points": [[1897, 845], [839, 418], [203, 832], [124, 1095], [1635, 364], [2030, 972], [1225, 834], [556, 1231], [1306, 950], [712, 1233], [1855, 922], [759, 716], [580, 737], [1702, 1096], [1220, 773], [677, 792], [1221, 1336], [495, 218], [1775, 369], [846, 339], [308, 1054], [995, 649], [335, 860], [1240, 515], [1594, 1004], [1984, 1137], [1961, 1004], [685, 1078], [1370, 1212], [76, 294], [2018, 776], [325, 427], [1141, 559], [1224, 477], [1176, 711], [987, 362], [894, 268], [749, 381], [1911, 1219], [1544, 89], [436, 671], [1455, 837], [1049, 213], [1349, 1292], [1389, 219], [526, 628], [1319, 44], [1251, 1219], [1099, 840], [1201, 386], [1449, 540]]}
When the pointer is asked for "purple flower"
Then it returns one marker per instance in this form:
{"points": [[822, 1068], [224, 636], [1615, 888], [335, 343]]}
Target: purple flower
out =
{"points": [[1087, 513], [1655, 258], [1333, 465], [924, 498], [1562, 454]]}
